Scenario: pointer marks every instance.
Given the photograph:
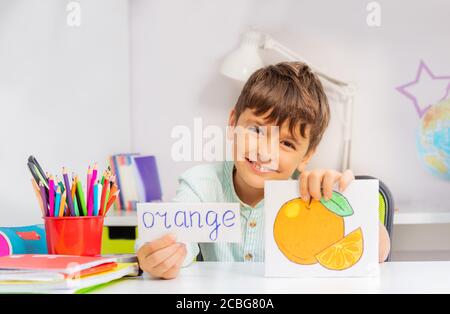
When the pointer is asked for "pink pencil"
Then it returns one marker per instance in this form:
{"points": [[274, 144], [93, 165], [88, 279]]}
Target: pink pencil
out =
{"points": [[88, 184], [91, 191], [51, 196]]}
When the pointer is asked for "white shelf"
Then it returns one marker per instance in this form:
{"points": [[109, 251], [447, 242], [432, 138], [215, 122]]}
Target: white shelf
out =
{"points": [[423, 218], [121, 219], [421, 213]]}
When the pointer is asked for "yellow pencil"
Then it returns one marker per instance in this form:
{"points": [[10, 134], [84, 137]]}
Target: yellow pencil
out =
{"points": [[63, 203]]}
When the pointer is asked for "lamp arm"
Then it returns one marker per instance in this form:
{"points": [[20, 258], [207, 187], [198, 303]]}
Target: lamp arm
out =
{"points": [[271, 44]]}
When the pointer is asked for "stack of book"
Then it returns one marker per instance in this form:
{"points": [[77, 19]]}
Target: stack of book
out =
{"points": [[33, 273], [137, 178]]}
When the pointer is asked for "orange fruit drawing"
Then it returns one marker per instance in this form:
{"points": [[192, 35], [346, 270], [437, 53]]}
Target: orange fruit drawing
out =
{"points": [[304, 229], [343, 254]]}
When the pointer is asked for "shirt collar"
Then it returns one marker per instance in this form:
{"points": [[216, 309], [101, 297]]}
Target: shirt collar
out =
{"points": [[229, 171]]}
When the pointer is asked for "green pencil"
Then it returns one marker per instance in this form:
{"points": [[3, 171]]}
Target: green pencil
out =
{"points": [[75, 205], [60, 185], [73, 192], [81, 197], [103, 178]]}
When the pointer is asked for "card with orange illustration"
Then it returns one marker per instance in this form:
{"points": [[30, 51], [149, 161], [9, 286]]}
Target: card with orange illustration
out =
{"points": [[321, 238]]}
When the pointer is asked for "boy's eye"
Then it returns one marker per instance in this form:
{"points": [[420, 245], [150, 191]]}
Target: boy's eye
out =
{"points": [[288, 144], [256, 129]]}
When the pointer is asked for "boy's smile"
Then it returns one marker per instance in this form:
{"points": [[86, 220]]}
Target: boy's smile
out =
{"points": [[259, 168]]}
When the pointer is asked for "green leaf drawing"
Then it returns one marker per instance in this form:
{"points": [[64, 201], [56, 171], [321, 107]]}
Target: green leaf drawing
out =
{"points": [[338, 204]]}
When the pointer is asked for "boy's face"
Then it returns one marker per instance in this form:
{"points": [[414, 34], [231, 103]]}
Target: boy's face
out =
{"points": [[261, 154]]}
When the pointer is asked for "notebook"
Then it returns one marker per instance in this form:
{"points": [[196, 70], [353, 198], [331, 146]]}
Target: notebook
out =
{"points": [[50, 275], [72, 285], [65, 264]]}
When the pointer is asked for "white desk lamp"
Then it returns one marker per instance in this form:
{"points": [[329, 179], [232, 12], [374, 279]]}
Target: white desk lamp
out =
{"points": [[245, 60]]}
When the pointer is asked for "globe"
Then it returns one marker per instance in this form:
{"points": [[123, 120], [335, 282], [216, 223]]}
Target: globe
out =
{"points": [[433, 140]]}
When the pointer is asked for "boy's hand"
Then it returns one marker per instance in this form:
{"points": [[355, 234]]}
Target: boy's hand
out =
{"points": [[163, 257], [314, 183]]}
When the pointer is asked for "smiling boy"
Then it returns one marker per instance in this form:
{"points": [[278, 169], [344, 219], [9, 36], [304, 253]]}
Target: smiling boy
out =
{"points": [[287, 95]]}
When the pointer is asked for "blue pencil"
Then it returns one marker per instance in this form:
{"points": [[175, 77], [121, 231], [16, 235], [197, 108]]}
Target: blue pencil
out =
{"points": [[57, 202], [96, 199]]}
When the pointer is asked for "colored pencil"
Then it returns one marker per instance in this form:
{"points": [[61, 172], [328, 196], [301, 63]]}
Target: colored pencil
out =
{"points": [[103, 178], [103, 198], [81, 199], [77, 193], [39, 197], [44, 198], [59, 183], [117, 202], [69, 193], [91, 190], [110, 202], [108, 192], [96, 199], [51, 196], [57, 202], [67, 212], [88, 183], [63, 204], [113, 190], [100, 192], [74, 197], [112, 182]]}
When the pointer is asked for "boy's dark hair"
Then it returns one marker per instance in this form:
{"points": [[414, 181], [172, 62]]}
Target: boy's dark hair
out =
{"points": [[288, 92]]}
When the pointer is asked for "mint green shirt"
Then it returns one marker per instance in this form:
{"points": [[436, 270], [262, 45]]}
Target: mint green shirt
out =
{"points": [[214, 183]]}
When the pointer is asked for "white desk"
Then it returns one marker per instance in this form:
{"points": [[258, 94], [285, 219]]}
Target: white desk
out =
{"points": [[206, 277]]}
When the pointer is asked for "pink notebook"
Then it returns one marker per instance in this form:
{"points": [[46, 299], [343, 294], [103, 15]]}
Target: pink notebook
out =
{"points": [[65, 264]]}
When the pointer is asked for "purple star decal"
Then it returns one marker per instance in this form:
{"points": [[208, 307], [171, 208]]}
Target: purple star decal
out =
{"points": [[423, 68]]}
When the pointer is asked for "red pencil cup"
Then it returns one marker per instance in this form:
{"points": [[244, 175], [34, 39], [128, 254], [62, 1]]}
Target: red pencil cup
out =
{"points": [[80, 236]]}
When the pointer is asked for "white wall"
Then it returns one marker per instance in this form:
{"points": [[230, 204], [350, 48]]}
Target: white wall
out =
{"points": [[177, 47], [48, 69], [64, 93]]}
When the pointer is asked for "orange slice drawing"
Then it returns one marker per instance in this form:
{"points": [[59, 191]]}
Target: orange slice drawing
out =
{"points": [[344, 253]]}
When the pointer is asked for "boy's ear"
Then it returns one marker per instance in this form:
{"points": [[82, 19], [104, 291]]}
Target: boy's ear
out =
{"points": [[232, 118], [231, 124], [302, 165]]}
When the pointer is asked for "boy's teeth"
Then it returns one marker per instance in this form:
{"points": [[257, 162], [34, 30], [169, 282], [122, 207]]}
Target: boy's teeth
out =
{"points": [[261, 168]]}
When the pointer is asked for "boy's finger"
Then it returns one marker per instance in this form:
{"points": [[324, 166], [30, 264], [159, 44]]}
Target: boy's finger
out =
{"points": [[161, 255], [304, 185], [171, 261], [329, 179], [315, 184], [173, 272], [345, 180], [157, 244]]}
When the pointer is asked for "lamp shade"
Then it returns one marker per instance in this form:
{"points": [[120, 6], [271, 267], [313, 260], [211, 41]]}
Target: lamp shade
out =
{"points": [[245, 60]]}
